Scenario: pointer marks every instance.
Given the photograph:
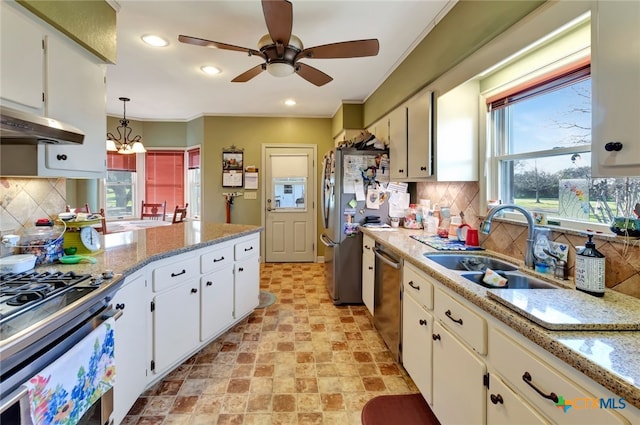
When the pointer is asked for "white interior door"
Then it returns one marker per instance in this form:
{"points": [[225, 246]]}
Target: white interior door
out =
{"points": [[289, 203]]}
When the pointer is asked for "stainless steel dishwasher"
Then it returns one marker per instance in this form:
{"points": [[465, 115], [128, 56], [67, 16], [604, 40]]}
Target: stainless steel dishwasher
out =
{"points": [[387, 311]]}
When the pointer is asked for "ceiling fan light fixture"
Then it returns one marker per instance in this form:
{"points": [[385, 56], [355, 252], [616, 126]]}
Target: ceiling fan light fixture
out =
{"points": [[280, 69], [154, 40]]}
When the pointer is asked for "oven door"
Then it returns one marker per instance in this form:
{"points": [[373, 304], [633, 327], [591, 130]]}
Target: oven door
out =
{"points": [[99, 413]]}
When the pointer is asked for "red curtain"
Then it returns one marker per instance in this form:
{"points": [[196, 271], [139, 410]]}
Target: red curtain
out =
{"points": [[194, 158], [165, 178], [120, 162]]}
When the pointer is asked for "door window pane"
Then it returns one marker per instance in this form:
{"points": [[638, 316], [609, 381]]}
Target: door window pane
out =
{"points": [[289, 193]]}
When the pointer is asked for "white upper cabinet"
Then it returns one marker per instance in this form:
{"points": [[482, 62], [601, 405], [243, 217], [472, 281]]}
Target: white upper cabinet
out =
{"points": [[419, 136], [398, 143], [21, 61], [615, 77], [46, 73], [457, 133]]}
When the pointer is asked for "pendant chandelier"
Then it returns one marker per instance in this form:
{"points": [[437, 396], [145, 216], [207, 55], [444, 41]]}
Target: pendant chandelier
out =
{"points": [[123, 143]]}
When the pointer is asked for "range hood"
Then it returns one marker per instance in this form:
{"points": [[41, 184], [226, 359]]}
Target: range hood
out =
{"points": [[23, 128]]}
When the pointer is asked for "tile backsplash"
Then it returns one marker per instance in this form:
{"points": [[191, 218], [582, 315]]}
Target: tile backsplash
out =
{"points": [[622, 256], [24, 200]]}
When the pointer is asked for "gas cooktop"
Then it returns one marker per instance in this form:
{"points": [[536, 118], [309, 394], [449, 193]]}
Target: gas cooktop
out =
{"points": [[28, 297]]}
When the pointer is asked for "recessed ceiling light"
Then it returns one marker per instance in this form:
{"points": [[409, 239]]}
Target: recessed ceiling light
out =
{"points": [[154, 40], [211, 70], [290, 102]]}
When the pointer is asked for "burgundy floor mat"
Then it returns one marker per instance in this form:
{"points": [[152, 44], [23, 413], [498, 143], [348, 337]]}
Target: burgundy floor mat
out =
{"points": [[405, 409]]}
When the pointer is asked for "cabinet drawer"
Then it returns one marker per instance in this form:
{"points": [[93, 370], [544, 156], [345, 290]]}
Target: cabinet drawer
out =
{"points": [[248, 247], [416, 284], [504, 407], [461, 321], [533, 379], [217, 258], [183, 268]]}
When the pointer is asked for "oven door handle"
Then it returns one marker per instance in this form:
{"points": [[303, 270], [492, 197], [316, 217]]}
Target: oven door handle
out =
{"points": [[386, 259]]}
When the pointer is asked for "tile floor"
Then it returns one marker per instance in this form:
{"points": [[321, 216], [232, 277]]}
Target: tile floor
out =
{"points": [[301, 361]]}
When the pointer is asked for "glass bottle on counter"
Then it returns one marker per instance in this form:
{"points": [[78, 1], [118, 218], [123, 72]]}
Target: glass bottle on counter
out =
{"points": [[445, 221]]}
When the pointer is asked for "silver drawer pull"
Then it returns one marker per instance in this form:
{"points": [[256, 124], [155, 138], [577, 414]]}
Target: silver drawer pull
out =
{"points": [[448, 314]]}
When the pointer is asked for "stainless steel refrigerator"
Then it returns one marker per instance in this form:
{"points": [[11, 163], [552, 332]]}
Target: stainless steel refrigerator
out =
{"points": [[345, 169]]}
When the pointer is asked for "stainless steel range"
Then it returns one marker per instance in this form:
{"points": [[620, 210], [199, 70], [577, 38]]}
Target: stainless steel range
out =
{"points": [[43, 315]]}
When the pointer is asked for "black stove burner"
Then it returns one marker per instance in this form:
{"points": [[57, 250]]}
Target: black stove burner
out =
{"points": [[21, 291]]}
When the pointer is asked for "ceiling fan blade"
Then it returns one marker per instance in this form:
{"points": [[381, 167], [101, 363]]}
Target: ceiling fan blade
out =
{"points": [[311, 74], [208, 43], [345, 49], [278, 15], [249, 74]]}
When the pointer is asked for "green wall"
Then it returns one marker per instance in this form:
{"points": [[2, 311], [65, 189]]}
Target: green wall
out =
{"points": [[92, 24], [249, 133], [468, 26]]}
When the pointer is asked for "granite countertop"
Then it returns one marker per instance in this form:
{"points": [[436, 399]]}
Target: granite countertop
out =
{"points": [[126, 252], [609, 357]]}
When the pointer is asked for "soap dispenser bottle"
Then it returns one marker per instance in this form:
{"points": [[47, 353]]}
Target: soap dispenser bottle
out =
{"points": [[589, 271]]}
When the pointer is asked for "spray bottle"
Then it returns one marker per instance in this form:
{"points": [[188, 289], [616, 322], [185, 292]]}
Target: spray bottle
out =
{"points": [[589, 271]]}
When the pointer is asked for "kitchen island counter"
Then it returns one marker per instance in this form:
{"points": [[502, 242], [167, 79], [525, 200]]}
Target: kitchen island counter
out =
{"points": [[126, 252], [607, 357]]}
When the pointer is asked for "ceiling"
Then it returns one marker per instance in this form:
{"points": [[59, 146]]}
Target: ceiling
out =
{"points": [[167, 83]]}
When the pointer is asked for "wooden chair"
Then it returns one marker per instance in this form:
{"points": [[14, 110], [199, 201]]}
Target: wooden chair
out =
{"points": [[84, 209], [153, 211], [103, 222], [179, 214]]}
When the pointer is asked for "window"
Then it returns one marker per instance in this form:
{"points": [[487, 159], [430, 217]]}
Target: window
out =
{"points": [[541, 144], [165, 175], [120, 185], [193, 182], [289, 192]]}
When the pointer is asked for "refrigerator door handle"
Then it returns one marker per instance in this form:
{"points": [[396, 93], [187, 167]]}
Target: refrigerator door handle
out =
{"points": [[326, 240], [385, 259]]}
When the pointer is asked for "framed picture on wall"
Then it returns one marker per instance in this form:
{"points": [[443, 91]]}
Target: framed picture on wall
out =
{"points": [[232, 168]]}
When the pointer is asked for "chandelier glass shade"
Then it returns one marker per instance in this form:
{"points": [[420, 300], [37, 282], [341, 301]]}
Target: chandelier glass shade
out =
{"points": [[124, 144]]}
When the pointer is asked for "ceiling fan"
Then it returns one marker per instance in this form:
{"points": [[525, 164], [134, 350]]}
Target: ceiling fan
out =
{"points": [[282, 51]]}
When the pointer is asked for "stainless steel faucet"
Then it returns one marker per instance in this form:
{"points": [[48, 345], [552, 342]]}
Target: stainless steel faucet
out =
{"points": [[485, 228]]}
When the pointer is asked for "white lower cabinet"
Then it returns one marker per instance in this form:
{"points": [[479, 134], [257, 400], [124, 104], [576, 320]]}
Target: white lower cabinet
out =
{"points": [[176, 314], [246, 286], [131, 357], [417, 331], [200, 294], [459, 393], [216, 312], [368, 272], [504, 407], [550, 392]]}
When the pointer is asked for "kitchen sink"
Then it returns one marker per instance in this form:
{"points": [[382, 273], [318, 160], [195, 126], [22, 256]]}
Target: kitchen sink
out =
{"points": [[515, 280], [474, 262]]}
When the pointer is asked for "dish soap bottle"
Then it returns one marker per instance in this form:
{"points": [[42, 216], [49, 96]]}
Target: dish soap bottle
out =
{"points": [[590, 269]]}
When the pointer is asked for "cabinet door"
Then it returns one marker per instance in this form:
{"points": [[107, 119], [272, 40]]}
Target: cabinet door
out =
{"points": [[76, 95], [419, 136], [398, 143], [21, 60], [368, 272], [457, 375], [504, 407], [176, 322], [615, 71], [247, 286], [132, 334], [417, 330], [216, 303]]}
